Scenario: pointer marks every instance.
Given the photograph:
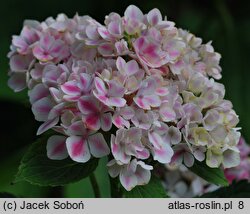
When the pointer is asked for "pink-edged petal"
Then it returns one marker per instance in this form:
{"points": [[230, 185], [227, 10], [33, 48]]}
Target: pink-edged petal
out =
{"points": [[131, 67], [106, 121], [38, 92], [164, 154], [78, 149], [128, 179], [71, 88], [154, 17], [100, 86], [17, 81], [116, 101], [41, 109], [88, 105], [56, 147], [98, 146], [47, 125]]}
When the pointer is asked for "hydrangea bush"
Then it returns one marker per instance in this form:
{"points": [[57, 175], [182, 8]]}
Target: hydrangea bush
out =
{"points": [[136, 89]]}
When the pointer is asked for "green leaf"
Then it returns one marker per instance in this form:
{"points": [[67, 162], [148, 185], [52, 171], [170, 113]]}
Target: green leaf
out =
{"points": [[212, 175], [6, 195], [38, 169], [153, 189], [239, 189]]}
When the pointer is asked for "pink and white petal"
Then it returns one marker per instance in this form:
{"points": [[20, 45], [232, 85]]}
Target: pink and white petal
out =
{"points": [[155, 139], [85, 81], [98, 146], [56, 94], [188, 159], [153, 100], [131, 67], [17, 81], [106, 49], [113, 168], [41, 109], [167, 114], [120, 64], [127, 112], [164, 154], [46, 41], [133, 12], [40, 55], [37, 72], [71, 98], [88, 105], [128, 180], [20, 63], [71, 88], [56, 111], [76, 128], [115, 89], [199, 155], [38, 92], [101, 97], [115, 28], [231, 159], [92, 121], [142, 103], [143, 175], [144, 154], [162, 91], [78, 149], [57, 48], [104, 33], [100, 86], [116, 101], [106, 121], [154, 17], [47, 125], [56, 147]]}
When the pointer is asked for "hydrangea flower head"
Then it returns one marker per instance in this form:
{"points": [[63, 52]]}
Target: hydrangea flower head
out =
{"points": [[137, 80]]}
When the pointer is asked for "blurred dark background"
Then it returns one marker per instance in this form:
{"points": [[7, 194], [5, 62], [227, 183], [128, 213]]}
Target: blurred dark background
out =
{"points": [[225, 22]]}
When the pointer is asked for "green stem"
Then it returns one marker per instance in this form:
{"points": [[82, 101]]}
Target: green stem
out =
{"points": [[114, 188], [95, 185]]}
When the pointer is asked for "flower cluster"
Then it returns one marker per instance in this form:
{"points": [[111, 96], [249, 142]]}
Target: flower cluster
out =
{"points": [[137, 78], [181, 182]]}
